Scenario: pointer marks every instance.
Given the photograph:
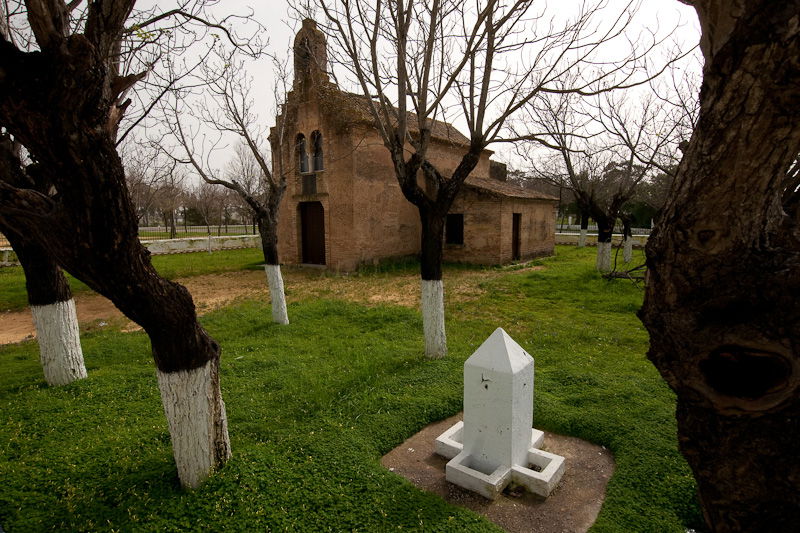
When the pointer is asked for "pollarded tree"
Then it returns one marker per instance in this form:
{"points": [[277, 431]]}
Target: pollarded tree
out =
{"points": [[416, 62], [225, 106], [64, 103], [721, 303]]}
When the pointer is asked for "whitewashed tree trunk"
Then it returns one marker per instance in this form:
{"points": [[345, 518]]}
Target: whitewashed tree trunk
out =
{"points": [[603, 256], [627, 250], [277, 294], [196, 415], [582, 238], [59, 342], [433, 318]]}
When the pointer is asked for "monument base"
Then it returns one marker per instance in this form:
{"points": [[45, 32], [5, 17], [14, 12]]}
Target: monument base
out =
{"points": [[541, 479]]}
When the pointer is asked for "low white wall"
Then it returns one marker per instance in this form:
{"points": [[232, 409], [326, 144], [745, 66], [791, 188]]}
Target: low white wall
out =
{"points": [[170, 246], [591, 240], [200, 244]]}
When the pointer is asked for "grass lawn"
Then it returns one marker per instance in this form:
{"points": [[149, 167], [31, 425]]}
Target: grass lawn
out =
{"points": [[13, 296], [312, 407]]}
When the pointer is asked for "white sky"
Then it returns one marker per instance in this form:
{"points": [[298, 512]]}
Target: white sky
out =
{"points": [[657, 15]]}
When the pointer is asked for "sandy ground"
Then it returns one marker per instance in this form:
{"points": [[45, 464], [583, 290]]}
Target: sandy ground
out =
{"points": [[213, 291], [571, 508]]}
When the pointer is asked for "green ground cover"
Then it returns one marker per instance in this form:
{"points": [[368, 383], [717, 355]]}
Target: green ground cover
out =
{"points": [[314, 405], [13, 296]]}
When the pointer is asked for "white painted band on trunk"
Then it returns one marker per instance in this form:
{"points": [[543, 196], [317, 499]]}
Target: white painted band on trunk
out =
{"points": [[188, 397], [433, 318], [627, 250], [582, 238], [603, 256], [277, 294], [59, 342]]}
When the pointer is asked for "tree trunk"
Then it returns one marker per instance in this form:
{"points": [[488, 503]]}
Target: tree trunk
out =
{"points": [[584, 228], [61, 104], [432, 289], [268, 228], [627, 240], [53, 310], [90, 229], [723, 288], [627, 250], [173, 231], [605, 231], [197, 421]]}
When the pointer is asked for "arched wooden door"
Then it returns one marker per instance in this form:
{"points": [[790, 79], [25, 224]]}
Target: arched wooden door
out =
{"points": [[312, 232]]}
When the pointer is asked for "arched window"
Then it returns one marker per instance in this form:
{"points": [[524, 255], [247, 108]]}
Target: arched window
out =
{"points": [[316, 147], [302, 156]]}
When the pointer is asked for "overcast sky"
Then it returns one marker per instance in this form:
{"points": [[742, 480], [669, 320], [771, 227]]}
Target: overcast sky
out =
{"points": [[657, 15]]}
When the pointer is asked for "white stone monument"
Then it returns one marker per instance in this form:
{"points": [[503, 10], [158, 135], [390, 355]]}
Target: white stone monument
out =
{"points": [[495, 444]]}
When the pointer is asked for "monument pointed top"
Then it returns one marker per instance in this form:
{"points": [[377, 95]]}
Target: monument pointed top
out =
{"points": [[500, 353]]}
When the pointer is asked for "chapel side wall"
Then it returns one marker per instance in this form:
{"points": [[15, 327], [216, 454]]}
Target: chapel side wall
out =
{"points": [[385, 223], [338, 185], [537, 228], [481, 229]]}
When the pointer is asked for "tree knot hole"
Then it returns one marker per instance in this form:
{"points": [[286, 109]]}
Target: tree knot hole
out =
{"points": [[705, 235], [745, 373]]}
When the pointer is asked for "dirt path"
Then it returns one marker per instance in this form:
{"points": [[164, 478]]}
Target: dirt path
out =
{"points": [[213, 291]]}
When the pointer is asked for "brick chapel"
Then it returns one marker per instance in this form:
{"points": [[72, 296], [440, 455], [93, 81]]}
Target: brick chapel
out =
{"points": [[343, 206]]}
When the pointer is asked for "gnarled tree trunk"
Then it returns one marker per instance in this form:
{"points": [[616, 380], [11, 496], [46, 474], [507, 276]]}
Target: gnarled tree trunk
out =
{"points": [[724, 273], [60, 104]]}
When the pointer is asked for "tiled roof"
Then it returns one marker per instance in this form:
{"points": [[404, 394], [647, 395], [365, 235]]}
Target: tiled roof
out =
{"points": [[440, 130], [504, 188]]}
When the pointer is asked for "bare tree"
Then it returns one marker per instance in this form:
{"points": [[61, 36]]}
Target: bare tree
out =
{"points": [[169, 193], [146, 174], [64, 103], [226, 107], [607, 146], [721, 304], [205, 199], [418, 62]]}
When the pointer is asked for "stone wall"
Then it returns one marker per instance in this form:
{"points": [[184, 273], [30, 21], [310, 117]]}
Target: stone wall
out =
{"points": [[200, 244]]}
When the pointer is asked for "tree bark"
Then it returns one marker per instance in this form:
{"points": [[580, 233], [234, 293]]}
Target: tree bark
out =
{"points": [[59, 104], [584, 228], [53, 309], [432, 295], [605, 232], [268, 229], [627, 240], [723, 288]]}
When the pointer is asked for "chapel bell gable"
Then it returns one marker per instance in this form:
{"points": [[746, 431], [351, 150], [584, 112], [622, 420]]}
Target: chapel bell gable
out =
{"points": [[310, 55]]}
